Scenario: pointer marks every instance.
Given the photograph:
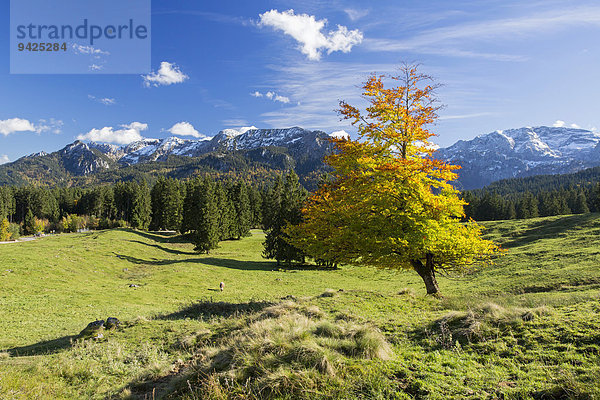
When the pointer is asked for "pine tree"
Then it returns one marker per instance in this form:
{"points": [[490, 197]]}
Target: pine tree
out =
{"points": [[283, 208], [108, 203], [123, 200], [272, 218], [29, 223], [167, 205], [243, 212], [532, 206], [141, 207], [255, 197], [510, 210], [205, 226], [580, 206], [226, 212], [7, 202], [190, 214]]}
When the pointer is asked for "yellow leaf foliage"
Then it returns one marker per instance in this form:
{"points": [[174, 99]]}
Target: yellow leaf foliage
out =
{"points": [[389, 201]]}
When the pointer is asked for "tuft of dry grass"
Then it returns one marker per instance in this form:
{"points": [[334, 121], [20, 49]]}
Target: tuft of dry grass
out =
{"points": [[481, 322], [408, 292], [286, 349]]}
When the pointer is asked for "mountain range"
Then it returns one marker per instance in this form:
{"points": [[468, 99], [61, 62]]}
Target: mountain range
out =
{"points": [[522, 152], [487, 158], [231, 150]]}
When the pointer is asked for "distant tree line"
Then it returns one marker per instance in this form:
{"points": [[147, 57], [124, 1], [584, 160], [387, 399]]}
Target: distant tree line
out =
{"points": [[489, 205], [206, 209]]}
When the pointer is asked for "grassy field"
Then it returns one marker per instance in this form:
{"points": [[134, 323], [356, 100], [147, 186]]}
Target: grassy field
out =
{"points": [[527, 327]]}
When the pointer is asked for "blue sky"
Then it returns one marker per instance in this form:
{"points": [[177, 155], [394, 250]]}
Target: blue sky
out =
{"points": [[503, 64]]}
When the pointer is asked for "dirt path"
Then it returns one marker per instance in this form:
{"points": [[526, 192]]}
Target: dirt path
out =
{"points": [[20, 240]]}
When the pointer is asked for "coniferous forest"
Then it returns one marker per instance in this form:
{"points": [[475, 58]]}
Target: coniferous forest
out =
{"points": [[207, 210]]}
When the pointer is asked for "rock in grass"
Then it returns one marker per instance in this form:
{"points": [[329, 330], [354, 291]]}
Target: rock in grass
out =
{"points": [[112, 323], [93, 330]]}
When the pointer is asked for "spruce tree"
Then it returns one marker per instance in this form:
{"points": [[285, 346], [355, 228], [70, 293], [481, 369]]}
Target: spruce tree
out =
{"points": [[510, 210], [7, 203], [580, 206], [226, 212], [243, 212], [272, 218], [205, 225], [282, 208], [29, 223], [167, 205], [189, 210], [141, 207], [256, 198]]}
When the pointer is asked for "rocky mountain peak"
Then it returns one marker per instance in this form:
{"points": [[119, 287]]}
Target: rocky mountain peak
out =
{"points": [[522, 152]]}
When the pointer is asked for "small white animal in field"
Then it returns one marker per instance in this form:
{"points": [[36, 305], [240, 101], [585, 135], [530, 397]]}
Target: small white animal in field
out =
{"points": [[222, 286]]}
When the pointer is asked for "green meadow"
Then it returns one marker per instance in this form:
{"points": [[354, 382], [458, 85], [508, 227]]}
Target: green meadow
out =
{"points": [[526, 327]]}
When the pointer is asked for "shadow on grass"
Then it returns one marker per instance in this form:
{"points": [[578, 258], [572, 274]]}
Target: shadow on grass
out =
{"points": [[45, 347], [161, 237], [549, 230], [218, 262], [208, 309], [166, 249], [229, 263]]}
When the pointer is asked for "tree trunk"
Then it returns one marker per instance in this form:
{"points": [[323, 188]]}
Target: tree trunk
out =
{"points": [[427, 273]]}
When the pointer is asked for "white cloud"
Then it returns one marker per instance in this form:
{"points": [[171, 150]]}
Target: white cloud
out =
{"points": [[127, 134], [450, 40], [167, 74], [96, 67], [107, 101], [51, 125], [307, 31], [185, 129], [235, 122], [322, 86], [464, 116], [4, 159], [559, 124], [240, 131], [272, 96], [355, 15], [562, 124], [275, 97], [13, 125], [79, 49], [340, 134]]}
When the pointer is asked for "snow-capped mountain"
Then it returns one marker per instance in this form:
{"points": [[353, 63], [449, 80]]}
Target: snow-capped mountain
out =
{"points": [[230, 149], [487, 158], [299, 142], [522, 152]]}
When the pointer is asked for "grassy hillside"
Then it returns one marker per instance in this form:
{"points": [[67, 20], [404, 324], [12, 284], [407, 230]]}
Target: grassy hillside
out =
{"points": [[526, 328]]}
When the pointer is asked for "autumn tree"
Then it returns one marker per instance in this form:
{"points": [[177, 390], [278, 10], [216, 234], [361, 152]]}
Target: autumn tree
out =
{"points": [[389, 202], [4, 230]]}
